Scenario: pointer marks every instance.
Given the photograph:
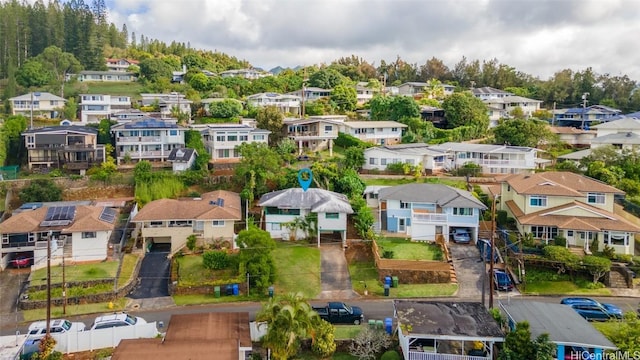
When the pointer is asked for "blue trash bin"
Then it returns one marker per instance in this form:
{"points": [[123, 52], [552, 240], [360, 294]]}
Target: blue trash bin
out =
{"points": [[388, 325], [387, 280], [236, 290]]}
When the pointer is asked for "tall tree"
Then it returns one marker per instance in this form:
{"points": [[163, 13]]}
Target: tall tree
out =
{"points": [[270, 118], [59, 64], [344, 97], [434, 68], [462, 108]]}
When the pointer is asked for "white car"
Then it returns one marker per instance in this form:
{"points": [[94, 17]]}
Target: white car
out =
{"points": [[461, 236], [38, 329], [116, 320]]}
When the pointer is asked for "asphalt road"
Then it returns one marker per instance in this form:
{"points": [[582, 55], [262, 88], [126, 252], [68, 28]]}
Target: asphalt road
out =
{"points": [[154, 274]]}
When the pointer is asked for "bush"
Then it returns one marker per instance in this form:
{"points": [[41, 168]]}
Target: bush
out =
{"points": [[346, 141], [560, 241], [561, 254], [608, 252], [387, 254], [391, 355], [191, 242], [215, 260], [501, 217]]}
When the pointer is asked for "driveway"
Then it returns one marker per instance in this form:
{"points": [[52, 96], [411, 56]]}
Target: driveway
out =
{"points": [[153, 278], [334, 273], [469, 270], [12, 281]]}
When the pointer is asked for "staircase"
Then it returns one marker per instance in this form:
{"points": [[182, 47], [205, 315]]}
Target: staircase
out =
{"points": [[616, 280], [452, 274], [577, 250], [67, 251]]}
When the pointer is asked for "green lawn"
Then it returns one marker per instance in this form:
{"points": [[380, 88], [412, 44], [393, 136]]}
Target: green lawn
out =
{"points": [[191, 272], [129, 262], [549, 282], [57, 311], [409, 250], [298, 269], [347, 331], [132, 89], [78, 272], [408, 179]]}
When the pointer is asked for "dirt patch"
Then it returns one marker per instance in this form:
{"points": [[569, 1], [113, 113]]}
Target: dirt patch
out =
{"points": [[93, 193], [358, 252]]}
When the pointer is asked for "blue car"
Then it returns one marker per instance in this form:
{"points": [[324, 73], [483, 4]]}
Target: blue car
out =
{"points": [[502, 280], [593, 310]]}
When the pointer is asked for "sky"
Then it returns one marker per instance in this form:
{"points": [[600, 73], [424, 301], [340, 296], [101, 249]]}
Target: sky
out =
{"points": [[538, 37]]}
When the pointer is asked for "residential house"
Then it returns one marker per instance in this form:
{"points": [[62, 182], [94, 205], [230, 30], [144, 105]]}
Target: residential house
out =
{"points": [[364, 93], [104, 76], [492, 159], [375, 132], [120, 65], [433, 330], [95, 107], [574, 337], [311, 93], [123, 116], [63, 147], [433, 114], [417, 89], [503, 107], [210, 217], [573, 136], [284, 208], [288, 104], [40, 104], [222, 140], [219, 335], [167, 104], [76, 232], [487, 92], [147, 139], [250, 74], [425, 211], [578, 208], [178, 76], [182, 159], [622, 133], [314, 133], [584, 117], [419, 154]]}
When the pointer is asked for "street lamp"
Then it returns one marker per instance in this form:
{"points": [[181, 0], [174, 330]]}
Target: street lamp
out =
{"points": [[37, 94]]}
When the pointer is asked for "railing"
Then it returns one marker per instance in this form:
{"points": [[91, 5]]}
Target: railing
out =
{"points": [[416, 355], [139, 139], [79, 147], [430, 218], [18, 245], [494, 162]]}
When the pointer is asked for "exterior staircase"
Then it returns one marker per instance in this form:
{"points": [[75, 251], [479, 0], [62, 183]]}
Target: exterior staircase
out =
{"points": [[577, 250], [452, 272], [67, 251], [616, 280]]}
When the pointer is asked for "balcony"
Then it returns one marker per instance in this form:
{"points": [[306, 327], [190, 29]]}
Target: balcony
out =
{"points": [[139, 139], [47, 159], [80, 147], [312, 136], [429, 218], [416, 355]]}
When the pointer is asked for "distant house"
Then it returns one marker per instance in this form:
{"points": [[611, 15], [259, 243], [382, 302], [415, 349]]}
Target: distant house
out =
{"points": [[288, 104], [492, 159], [182, 159], [283, 207], [210, 217], [122, 116], [41, 104], [312, 93], [76, 232], [120, 65], [418, 88], [622, 133], [418, 154], [573, 136], [375, 132], [222, 140], [576, 338], [364, 93], [443, 330], [314, 133], [166, 103], [578, 208], [425, 211], [95, 107], [250, 74], [105, 76], [503, 107], [487, 92], [63, 147], [147, 139], [194, 336], [584, 117]]}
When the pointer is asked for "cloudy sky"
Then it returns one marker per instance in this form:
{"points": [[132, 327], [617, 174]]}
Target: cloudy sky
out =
{"points": [[538, 37]]}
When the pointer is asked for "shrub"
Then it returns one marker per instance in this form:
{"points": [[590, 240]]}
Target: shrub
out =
{"points": [[325, 344], [560, 241], [346, 141], [396, 168], [391, 355], [561, 254], [191, 242], [387, 254], [369, 343], [501, 217], [608, 252], [215, 260]]}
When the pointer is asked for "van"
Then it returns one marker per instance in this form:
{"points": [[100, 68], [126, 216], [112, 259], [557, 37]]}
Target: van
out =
{"points": [[38, 329], [116, 320]]}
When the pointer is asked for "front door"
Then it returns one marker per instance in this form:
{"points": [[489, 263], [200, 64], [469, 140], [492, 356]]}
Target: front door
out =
{"points": [[402, 225], [571, 239]]}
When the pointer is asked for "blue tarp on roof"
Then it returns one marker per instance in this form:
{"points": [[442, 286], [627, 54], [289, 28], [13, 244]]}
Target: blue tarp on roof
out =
{"points": [[150, 124], [30, 206]]}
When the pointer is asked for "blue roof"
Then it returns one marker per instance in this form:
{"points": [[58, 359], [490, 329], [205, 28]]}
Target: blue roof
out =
{"points": [[30, 206], [574, 111], [150, 124]]}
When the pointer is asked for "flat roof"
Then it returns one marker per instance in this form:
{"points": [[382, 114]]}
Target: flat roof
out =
{"points": [[563, 324], [448, 320]]}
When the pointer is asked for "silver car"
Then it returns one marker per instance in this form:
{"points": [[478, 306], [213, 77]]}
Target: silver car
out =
{"points": [[461, 236]]}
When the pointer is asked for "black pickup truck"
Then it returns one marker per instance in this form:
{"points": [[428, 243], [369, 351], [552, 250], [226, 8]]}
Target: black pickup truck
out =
{"points": [[340, 313]]}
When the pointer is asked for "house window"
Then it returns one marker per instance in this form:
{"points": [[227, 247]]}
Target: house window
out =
{"points": [[276, 226], [328, 128], [332, 216], [462, 211], [570, 233], [405, 205], [394, 129], [543, 232], [258, 137], [180, 223], [32, 237], [223, 153], [199, 226], [155, 224], [5, 238], [538, 200], [220, 138], [217, 223], [275, 211], [89, 235], [595, 198], [410, 161], [232, 138], [616, 238], [383, 161], [373, 161], [244, 138], [173, 132]]}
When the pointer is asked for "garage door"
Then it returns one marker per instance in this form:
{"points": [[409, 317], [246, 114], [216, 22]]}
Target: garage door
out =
{"points": [[160, 239], [423, 232]]}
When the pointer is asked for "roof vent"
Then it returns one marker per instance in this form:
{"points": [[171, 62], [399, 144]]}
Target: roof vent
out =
{"points": [[197, 198], [629, 134]]}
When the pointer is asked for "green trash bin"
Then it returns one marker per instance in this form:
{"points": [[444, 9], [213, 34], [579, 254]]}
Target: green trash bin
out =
{"points": [[395, 282], [379, 324], [372, 323], [216, 291]]}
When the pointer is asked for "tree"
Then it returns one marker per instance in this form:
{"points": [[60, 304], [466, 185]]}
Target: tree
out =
{"points": [[518, 345], [269, 118], [260, 163], [142, 172], [369, 343], [289, 319], [154, 69], [225, 109], [11, 132], [255, 253], [350, 184], [59, 64], [462, 108], [521, 132], [70, 110], [41, 190], [353, 158], [597, 266], [344, 97], [193, 140], [393, 108], [33, 74], [326, 78]]}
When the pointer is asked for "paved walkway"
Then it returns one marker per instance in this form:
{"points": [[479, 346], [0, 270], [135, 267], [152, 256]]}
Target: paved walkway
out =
{"points": [[334, 275]]}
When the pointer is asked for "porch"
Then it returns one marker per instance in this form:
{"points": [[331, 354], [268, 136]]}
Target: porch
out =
{"points": [[415, 355]]}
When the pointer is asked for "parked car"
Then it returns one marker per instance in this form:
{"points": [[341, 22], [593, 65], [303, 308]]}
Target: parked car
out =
{"points": [[21, 261], [593, 310], [38, 329], [340, 313], [116, 320], [461, 236], [484, 247], [502, 280]]}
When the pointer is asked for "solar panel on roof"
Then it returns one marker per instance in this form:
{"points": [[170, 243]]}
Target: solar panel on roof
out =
{"points": [[60, 213], [108, 215], [221, 202], [55, 223]]}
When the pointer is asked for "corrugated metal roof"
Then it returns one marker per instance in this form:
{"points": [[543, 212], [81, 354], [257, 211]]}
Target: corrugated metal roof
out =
{"points": [[317, 200]]}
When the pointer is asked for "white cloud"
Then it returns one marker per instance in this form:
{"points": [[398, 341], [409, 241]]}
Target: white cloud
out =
{"points": [[539, 37]]}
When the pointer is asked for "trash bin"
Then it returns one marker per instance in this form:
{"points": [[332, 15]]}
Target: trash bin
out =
{"points": [[386, 290], [271, 291], [229, 290], [388, 325], [372, 323], [394, 282], [216, 291], [387, 280], [236, 290], [379, 324]]}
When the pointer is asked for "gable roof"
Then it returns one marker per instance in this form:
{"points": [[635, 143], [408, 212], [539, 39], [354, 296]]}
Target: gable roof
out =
{"points": [[557, 183], [443, 195], [181, 154], [64, 129], [627, 138], [562, 323], [625, 122], [487, 90], [419, 149], [483, 148], [40, 96], [87, 218], [314, 199], [203, 208]]}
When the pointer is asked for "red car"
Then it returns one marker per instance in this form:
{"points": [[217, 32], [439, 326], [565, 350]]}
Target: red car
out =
{"points": [[20, 261]]}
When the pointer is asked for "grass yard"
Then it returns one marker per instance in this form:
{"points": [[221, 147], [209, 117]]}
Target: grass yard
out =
{"points": [[132, 89], [191, 272], [408, 179], [298, 269], [365, 274], [56, 311], [129, 262], [408, 250], [78, 272], [347, 331], [549, 282]]}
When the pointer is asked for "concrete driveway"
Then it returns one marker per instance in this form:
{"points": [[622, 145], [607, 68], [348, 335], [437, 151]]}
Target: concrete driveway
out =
{"points": [[469, 270], [334, 274], [12, 280]]}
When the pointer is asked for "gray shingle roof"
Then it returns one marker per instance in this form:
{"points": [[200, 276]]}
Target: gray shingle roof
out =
{"points": [[317, 200], [181, 154], [443, 195], [63, 130]]}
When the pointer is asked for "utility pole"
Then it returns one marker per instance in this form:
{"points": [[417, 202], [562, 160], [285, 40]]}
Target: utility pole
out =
{"points": [[304, 80], [584, 108], [553, 114], [48, 325], [64, 289], [493, 254]]}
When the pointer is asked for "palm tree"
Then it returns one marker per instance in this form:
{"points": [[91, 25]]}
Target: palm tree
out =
{"points": [[289, 318]]}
